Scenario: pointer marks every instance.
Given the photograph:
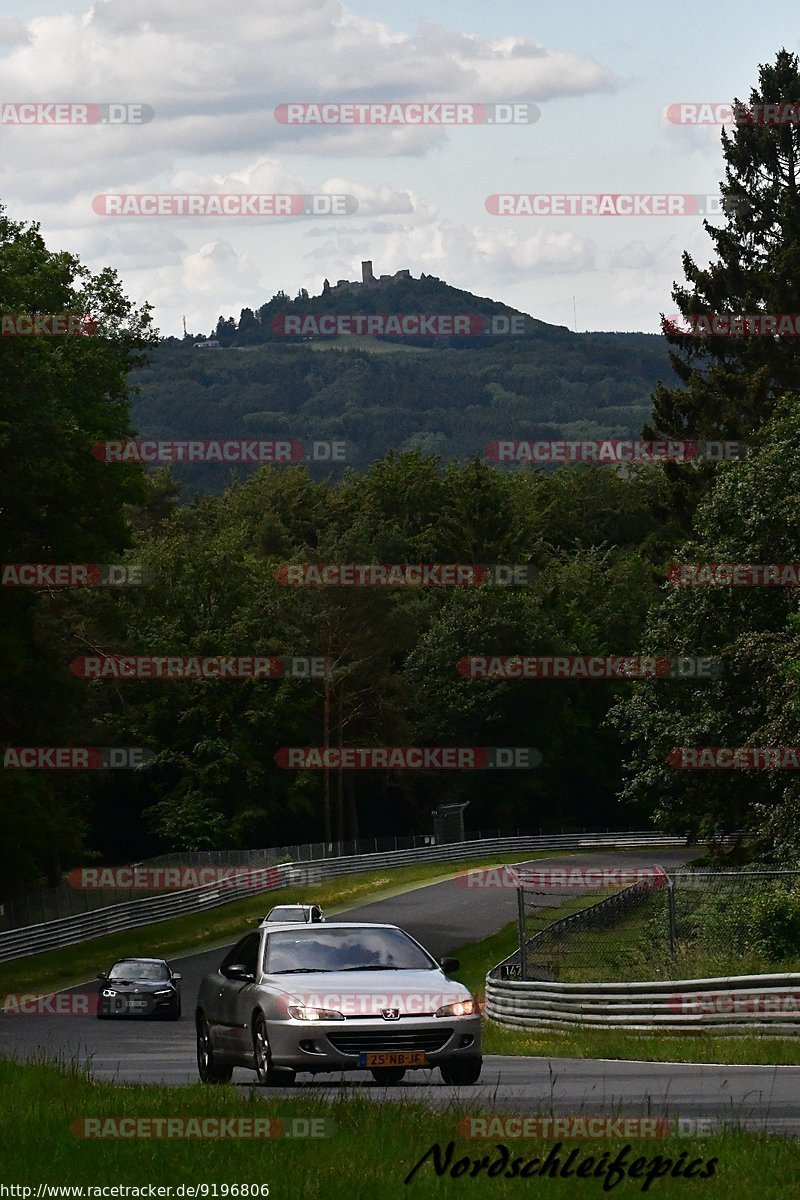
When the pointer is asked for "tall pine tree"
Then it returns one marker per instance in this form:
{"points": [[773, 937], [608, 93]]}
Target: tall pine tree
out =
{"points": [[729, 385]]}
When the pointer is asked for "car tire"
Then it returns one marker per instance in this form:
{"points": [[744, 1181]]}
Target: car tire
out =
{"points": [[209, 1069], [388, 1076], [268, 1076], [460, 1072]]}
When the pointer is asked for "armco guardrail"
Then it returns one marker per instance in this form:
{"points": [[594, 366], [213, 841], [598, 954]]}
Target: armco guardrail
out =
{"points": [[728, 1005], [33, 939], [69, 899]]}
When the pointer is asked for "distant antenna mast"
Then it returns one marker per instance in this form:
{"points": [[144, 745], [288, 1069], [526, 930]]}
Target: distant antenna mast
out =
{"points": [[184, 326], [574, 314]]}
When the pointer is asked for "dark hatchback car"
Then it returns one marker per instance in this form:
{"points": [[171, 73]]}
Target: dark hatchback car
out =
{"points": [[140, 987]]}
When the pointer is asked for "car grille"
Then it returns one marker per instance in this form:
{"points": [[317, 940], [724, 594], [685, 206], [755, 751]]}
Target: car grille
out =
{"points": [[393, 1039]]}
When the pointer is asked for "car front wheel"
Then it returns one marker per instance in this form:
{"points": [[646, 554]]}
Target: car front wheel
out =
{"points": [[268, 1076], [462, 1071], [209, 1069]]}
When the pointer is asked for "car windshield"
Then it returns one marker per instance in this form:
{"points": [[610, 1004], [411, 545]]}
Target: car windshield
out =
{"points": [[343, 949], [287, 914], [134, 968]]}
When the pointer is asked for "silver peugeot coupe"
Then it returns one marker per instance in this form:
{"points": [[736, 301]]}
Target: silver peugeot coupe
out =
{"points": [[335, 997]]}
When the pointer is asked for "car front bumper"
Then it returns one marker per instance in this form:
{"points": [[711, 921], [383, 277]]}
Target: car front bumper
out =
{"points": [[338, 1045], [126, 1004]]}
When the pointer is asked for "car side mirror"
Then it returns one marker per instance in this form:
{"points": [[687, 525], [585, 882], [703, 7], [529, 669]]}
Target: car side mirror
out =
{"points": [[101, 974], [449, 964], [239, 972], [177, 978]]}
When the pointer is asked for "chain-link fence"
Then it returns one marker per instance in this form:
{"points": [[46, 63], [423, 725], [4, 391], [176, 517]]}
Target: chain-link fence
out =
{"points": [[635, 924]]}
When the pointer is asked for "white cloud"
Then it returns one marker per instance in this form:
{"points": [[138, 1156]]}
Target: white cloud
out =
{"points": [[13, 32], [214, 74]]}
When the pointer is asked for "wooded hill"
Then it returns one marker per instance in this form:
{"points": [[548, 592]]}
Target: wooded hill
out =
{"points": [[448, 396]]}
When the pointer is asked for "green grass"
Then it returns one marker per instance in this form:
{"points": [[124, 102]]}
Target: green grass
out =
{"points": [[54, 969], [476, 960], [372, 1150], [642, 1047]]}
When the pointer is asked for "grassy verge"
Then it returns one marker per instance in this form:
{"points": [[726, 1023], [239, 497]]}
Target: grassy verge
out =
{"points": [[54, 969], [480, 957], [373, 1149]]}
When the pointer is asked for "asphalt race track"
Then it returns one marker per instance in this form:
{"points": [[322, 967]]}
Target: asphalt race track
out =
{"points": [[442, 916]]}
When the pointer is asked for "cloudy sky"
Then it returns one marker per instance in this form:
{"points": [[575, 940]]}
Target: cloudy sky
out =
{"points": [[602, 76]]}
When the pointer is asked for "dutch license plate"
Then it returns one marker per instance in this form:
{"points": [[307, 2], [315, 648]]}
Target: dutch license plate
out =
{"points": [[392, 1058]]}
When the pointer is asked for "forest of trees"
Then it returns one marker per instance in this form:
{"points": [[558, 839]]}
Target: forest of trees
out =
{"points": [[451, 402], [602, 541]]}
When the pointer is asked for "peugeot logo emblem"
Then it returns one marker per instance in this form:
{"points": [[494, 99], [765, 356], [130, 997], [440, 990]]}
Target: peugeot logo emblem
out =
{"points": [[390, 1014]]}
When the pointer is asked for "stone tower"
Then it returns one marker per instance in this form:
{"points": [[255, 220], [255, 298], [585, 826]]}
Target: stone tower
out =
{"points": [[366, 273]]}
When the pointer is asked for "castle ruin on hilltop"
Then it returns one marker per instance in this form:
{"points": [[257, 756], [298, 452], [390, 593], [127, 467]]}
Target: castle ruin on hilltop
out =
{"points": [[368, 280]]}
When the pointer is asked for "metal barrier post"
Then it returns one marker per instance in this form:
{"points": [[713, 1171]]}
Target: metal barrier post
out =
{"points": [[523, 966]]}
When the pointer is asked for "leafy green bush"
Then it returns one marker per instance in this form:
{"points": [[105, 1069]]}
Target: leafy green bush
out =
{"points": [[761, 919]]}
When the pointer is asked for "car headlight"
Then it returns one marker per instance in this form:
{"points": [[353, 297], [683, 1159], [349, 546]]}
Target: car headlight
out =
{"points": [[109, 992], [461, 1008], [163, 992], [298, 1013]]}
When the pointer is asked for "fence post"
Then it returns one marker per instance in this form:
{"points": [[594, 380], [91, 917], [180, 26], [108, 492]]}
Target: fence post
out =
{"points": [[673, 939], [523, 966]]}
